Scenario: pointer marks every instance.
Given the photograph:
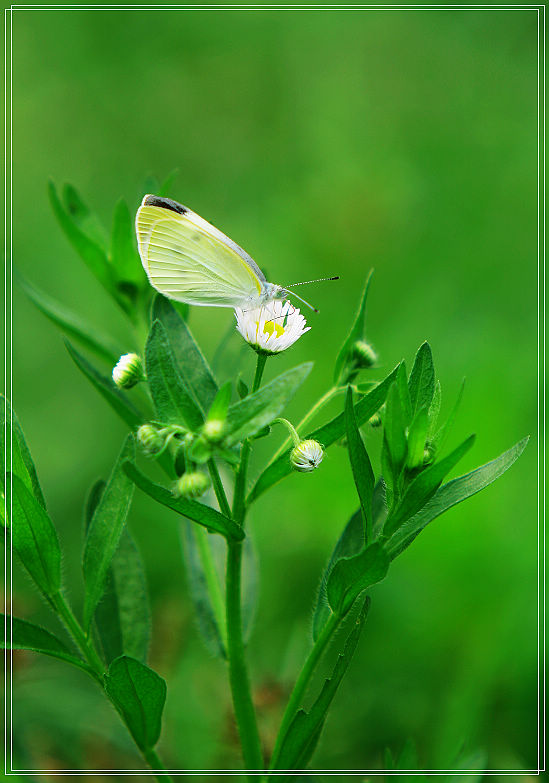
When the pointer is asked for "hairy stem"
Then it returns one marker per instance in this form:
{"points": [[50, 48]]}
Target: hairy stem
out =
{"points": [[296, 698], [319, 404]]}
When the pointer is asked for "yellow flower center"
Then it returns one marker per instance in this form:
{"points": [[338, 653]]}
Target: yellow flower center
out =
{"points": [[271, 326]]}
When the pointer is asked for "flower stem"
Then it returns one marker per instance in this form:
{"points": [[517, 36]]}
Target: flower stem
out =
{"points": [[212, 580], [302, 682], [308, 416], [238, 672], [153, 760]]}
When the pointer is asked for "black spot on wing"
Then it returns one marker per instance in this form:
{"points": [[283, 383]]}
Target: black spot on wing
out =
{"points": [[165, 203]]}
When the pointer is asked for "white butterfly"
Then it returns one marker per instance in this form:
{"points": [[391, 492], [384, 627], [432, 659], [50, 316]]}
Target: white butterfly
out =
{"points": [[188, 259]]}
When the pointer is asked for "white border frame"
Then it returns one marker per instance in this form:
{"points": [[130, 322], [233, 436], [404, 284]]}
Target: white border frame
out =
{"points": [[8, 383]]}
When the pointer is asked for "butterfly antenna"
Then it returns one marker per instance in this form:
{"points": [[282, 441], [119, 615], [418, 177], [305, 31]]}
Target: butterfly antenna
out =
{"points": [[302, 300], [317, 280]]}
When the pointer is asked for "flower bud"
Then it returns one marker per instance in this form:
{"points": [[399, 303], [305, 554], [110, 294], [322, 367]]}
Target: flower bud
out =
{"points": [[362, 355], [306, 456], [150, 439], [428, 454], [192, 485], [213, 430], [375, 420], [128, 371]]}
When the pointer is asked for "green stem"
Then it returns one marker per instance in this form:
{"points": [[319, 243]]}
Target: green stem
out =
{"points": [[307, 418], [153, 760], [219, 489], [212, 580], [238, 672], [296, 698]]}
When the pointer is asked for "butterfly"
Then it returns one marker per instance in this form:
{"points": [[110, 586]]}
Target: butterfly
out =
{"points": [[188, 259]]}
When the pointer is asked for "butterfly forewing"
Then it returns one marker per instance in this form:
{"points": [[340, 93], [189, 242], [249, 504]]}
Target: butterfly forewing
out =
{"points": [[188, 259]]}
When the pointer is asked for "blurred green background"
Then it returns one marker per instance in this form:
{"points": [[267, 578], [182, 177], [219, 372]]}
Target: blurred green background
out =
{"points": [[324, 143]]}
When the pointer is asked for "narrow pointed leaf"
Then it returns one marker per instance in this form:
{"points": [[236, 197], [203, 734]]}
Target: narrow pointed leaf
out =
{"points": [[105, 530], [393, 428], [139, 694], [193, 366], [422, 379], [417, 437], [361, 466], [404, 392], [34, 538], [125, 259], [248, 416], [197, 512], [452, 493], [441, 436], [424, 486], [118, 401], [326, 435], [434, 411], [220, 405], [356, 333], [304, 731], [17, 460], [351, 575], [22, 635], [72, 324], [83, 217], [173, 400]]}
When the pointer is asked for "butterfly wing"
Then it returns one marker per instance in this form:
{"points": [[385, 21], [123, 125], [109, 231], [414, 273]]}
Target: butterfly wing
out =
{"points": [[188, 259]]}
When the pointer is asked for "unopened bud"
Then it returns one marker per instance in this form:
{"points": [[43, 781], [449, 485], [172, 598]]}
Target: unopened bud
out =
{"points": [[375, 420], [428, 454], [150, 439], [192, 485], [128, 371], [213, 430], [306, 456], [362, 355]]}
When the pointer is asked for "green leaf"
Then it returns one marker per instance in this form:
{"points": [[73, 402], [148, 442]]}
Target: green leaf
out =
{"points": [[105, 530], [118, 401], [327, 434], [440, 438], [125, 259], [83, 217], [197, 512], [452, 493], [193, 366], [304, 731], [350, 542], [123, 616], [17, 459], [417, 437], [88, 249], [72, 324], [220, 405], [361, 466], [393, 429], [422, 378], [246, 417], [422, 488], [356, 333], [198, 590], [434, 411], [22, 635], [351, 575], [172, 399], [139, 694], [34, 538]]}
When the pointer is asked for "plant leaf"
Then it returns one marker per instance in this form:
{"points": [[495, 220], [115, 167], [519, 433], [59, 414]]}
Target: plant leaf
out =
{"points": [[422, 379], [434, 411], [118, 401], [246, 417], [393, 430], [361, 466], [417, 436], [172, 399], [193, 366], [350, 542], [351, 575], [197, 512], [326, 435], [71, 323], [17, 459], [356, 333], [452, 493], [422, 488], [220, 405], [440, 438], [198, 589], [34, 538], [105, 530], [83, 217], [125, 259], [22, 635], [304, 731], [139, 694]]}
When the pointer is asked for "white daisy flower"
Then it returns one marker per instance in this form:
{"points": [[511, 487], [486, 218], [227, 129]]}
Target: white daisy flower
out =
{"points": [[128, 371], [271, 328], [306, 456]]}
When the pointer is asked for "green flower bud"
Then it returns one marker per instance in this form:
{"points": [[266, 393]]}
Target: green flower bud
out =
{"points": [[362, 355], [150, 439], [375, 420], [428, 454], [128, 371], [306, 456], [192, 485], [213, 430]]}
